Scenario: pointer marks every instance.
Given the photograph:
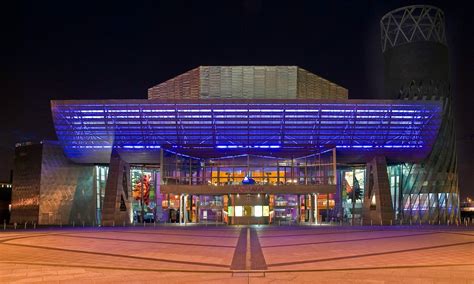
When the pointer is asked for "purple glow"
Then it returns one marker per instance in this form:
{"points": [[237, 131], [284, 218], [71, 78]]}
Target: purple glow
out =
{"points": [[85, 126]]}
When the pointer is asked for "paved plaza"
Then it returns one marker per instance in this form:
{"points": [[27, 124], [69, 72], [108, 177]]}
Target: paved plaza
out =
{"points": [[255, 254]]}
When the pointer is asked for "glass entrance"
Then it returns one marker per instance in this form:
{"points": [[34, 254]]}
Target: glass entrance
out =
{"points": [[147, 200]]}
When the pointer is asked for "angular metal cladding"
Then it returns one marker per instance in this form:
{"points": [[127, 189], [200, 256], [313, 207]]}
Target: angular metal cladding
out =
{"points": [[49, 189]]}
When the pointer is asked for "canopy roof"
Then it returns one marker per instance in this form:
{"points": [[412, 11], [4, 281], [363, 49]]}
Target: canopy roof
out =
{"points": [[400, 130]]}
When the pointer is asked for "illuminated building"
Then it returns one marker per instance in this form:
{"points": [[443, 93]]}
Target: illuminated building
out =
{"points": [[250, 145]]}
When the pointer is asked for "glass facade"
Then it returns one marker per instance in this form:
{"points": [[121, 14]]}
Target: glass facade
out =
{"points": [[419, 204], [285, 207], [213, 208], [100, 173], [145, 188], [150, 205], [353, 185]]}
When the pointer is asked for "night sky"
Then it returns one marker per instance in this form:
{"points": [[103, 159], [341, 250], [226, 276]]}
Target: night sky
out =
{"points": [[117, 50]]}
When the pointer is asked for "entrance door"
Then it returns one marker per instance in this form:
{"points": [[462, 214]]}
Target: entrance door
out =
{"points": [[250, 209]]}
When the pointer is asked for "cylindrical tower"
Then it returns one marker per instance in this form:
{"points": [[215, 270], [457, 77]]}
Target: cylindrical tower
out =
{"points": [[414, 48], [417, 68]]}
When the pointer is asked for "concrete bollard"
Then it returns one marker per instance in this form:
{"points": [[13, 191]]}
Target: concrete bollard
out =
{"points": [[370, 222], [123, 223], [83, 224], [113, 223], [73, 224], [391, 222], [34, 226], [25, 224], [14, 225], [381, 223], [4, 224]]}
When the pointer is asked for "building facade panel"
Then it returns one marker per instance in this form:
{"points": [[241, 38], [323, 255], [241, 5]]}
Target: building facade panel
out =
{"points": [[66, 191], [50, 189], [26, 184], [247, 82], [186, 85]]}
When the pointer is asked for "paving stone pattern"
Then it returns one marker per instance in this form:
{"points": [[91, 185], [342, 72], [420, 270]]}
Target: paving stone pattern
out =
{"points": [[254, 254]]}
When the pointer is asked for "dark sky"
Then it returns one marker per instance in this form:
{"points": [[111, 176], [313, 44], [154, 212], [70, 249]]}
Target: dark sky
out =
{"points": [[117, 49]]}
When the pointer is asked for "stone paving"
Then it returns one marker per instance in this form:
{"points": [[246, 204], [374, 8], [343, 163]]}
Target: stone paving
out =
{"points": [[255, 254]]}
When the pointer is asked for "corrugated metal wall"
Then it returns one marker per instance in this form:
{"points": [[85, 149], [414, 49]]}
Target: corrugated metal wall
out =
{"points": [[185, 86], [247, 82], [311, 86]]}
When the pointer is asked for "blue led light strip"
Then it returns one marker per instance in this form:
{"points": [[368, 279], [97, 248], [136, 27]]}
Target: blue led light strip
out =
{"points": [[247, 147]]}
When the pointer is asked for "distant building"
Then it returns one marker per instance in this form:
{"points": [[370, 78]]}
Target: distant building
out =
{"points": [[5, 201]]}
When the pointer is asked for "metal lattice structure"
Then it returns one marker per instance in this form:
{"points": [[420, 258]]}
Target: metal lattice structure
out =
{"points": [[412, 24], [400, 130]]}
